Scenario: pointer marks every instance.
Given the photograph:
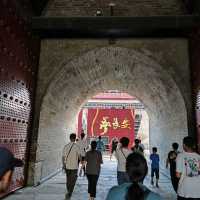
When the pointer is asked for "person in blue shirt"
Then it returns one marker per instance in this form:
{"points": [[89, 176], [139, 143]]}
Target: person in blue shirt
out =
{"points": [[100, 145], [136, 167], [154, 157]]}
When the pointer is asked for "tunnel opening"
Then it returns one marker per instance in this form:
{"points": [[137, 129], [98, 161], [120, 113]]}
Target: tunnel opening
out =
{"points": [[112, 115], [102, 69]]}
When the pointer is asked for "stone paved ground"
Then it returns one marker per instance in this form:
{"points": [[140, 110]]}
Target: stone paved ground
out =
{"points": [[54, 188]]}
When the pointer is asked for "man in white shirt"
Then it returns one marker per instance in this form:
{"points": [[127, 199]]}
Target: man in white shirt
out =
{"points": [[121, 154], [82, 143], [188, 170], [71, 155]]}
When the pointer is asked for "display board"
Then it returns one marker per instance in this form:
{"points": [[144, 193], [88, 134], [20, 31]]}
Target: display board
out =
{"points": [[111, 123]]}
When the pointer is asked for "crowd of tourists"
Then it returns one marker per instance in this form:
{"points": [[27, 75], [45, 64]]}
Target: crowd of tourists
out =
{"points": [[132, 168]]}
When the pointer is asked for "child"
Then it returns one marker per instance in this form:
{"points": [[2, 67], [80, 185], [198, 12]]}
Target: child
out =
{"points": [[154, 157]]}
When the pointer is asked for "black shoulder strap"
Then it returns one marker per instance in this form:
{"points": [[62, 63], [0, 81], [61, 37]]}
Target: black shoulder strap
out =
{"points": [[69, 152], [123, 153]]}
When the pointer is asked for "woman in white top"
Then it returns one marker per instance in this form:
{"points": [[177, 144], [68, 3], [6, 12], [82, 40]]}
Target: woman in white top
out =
{"points": [[82, 143], [121, 154]]}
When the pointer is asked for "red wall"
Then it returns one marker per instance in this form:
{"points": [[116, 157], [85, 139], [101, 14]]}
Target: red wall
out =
{"points": [[95, 120], [80, 122], [18, 67]]}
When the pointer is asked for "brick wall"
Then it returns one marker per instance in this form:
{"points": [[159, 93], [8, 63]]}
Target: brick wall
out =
{"points": [[18, 68], [80, 68], [122, 8]]}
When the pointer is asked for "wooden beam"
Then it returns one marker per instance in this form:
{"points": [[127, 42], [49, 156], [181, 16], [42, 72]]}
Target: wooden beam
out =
{"points": [[196, 6], [155, 26], [38, 6]]}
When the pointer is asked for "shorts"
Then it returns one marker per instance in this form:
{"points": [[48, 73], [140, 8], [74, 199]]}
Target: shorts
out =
{"points": [[156, 171], [82, 159]]}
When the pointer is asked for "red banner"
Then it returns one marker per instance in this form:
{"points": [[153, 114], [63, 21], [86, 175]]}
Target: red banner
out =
{"points": [[80, 115], [111, 123]]}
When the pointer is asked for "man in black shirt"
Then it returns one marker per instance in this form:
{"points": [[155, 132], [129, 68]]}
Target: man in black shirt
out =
{"points": [[171, 160], [137, 148]]}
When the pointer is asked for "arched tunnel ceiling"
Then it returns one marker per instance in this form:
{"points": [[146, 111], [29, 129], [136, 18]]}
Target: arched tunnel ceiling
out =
{"points": [[115, 68], [111, 68], [121, 8], [42, 6]]}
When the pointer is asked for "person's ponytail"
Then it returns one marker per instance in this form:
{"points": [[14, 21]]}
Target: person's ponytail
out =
{"points": [[135, 192], [136, 167]]}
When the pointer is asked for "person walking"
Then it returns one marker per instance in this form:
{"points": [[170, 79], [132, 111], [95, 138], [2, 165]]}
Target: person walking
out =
{"points": [[136, 167], [93, 160], [188, 171], [171, 161], [82, 143], [114, 144], [137, 148], [121, 154], [154, 157], [100, 145], [71, 155], [141, 145]]}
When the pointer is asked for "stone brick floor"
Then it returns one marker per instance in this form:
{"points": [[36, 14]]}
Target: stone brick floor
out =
{"points": [[54, 188]]}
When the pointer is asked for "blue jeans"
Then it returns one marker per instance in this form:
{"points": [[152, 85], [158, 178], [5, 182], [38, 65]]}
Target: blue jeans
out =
{"points": [[122, 177]]}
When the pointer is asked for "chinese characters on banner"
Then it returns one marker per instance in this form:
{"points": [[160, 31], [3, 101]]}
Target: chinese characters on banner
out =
{"points": [[111, 123], [106, 124]]}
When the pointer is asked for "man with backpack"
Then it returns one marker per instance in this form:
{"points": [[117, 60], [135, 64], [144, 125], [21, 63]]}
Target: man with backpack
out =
{"points": [[121, 154], [137, 148], [171, 161], [71, 155]]}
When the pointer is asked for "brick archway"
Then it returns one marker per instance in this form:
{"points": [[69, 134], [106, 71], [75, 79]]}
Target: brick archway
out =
{"points": [[103, 69]]}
